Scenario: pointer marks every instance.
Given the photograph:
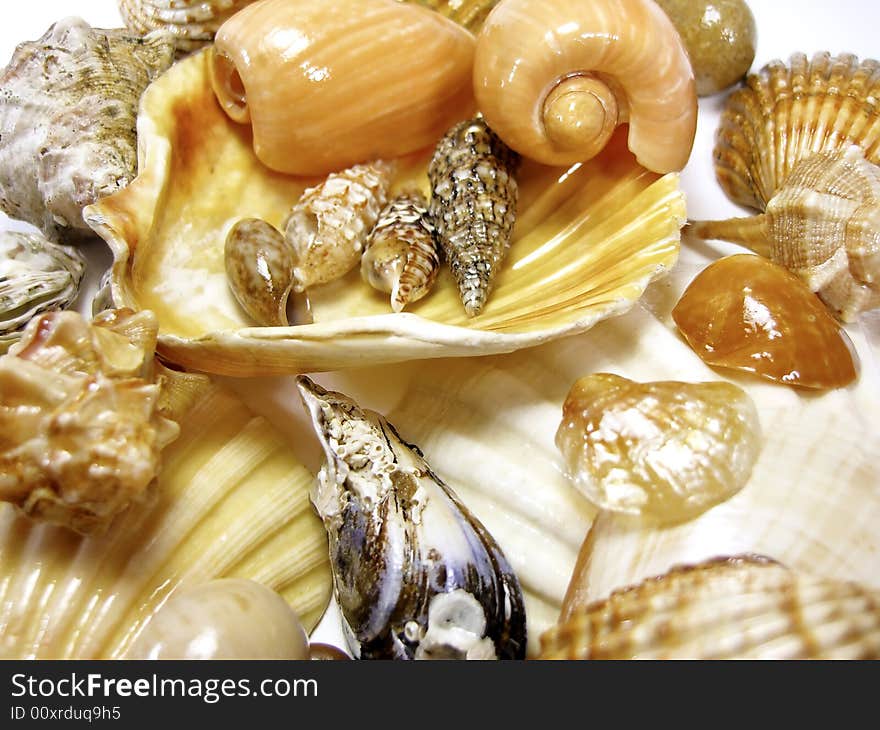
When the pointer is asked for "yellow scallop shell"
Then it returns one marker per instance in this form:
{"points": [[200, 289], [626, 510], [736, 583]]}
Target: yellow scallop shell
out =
{"points": [[587, 242]]}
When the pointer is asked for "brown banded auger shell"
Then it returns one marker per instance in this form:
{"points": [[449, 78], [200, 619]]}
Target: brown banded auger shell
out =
{"points": [[587, 242], [747, 313], [742, 607], [554, 79]]}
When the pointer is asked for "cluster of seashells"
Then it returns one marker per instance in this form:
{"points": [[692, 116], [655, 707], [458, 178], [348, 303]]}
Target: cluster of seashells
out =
{"points": [[249, 183]]}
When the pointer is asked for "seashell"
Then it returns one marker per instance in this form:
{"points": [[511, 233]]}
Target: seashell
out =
{"points": [[81, 415], [469, 14], [664, 450], [416, 575], [555, 81], [328, 227], [733, 608], [379, 78], [259, 264], [473, 204], [720, 37], [786, 113], [103, 298], [230, 502], [68, 104], [193, 23], [747, 313], [823, 225], [326, 652], [587, 242], [227, 618], [36, 276], [401, 255]]}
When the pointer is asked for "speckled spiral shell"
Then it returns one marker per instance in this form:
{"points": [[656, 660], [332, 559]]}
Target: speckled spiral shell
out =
{"points": [[473, 204], [68, 105], [36, 276], [259, 267], [743, 607], [402, 255], [823, 224], [329, 225], [786, 112], [191, 22]]}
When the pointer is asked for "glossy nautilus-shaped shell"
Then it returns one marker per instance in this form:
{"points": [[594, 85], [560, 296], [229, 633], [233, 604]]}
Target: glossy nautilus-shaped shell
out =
{"points": [[329, 85], [554, 79]]}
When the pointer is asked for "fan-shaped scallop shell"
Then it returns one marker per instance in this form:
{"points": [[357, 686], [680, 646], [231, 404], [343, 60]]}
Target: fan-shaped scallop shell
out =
{"points": [[231, 501], [587, 242], [68, 104], [191, 22], [786, 112], [36, 275], [724, 609]]}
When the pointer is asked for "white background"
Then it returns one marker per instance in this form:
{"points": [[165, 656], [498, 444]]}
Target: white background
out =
{"points": [[784, 27]]}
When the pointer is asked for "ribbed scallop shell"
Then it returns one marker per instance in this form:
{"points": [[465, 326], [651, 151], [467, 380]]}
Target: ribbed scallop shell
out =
{"points": [[68, 104], [402, 256], [328, 227], [786, 112], [587, 242], [191, 22], [36, 276], [231, 501], [741, 607]]}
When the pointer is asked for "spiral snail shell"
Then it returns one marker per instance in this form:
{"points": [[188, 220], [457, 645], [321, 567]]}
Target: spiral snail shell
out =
{"points": [[329, 85], [555, 79]]}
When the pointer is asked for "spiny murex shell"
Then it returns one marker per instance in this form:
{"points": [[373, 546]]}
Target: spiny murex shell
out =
{"points": [[230, 501], [36, 275], [193, 23], [81, 411], [723, 609], [416, 575], [609, 226], [68, 105], [786, 112], [823, 224]]}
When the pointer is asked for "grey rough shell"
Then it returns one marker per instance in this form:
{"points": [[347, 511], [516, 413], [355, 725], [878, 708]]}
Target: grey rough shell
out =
{"points": [[36, 276], [193, 23], [402, 256], [68, 111], [473, 205], [416, 576]]}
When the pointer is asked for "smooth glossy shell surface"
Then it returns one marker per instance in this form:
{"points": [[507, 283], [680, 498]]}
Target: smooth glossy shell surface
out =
{"points": [[532, 57], [329, 85], [227, 618], [747, 313], [230, 501], [665, 451], [587, 242]]}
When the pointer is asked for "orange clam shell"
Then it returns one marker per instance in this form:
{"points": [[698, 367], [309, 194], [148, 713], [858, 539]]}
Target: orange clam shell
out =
{"points": [[747, 313]]}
